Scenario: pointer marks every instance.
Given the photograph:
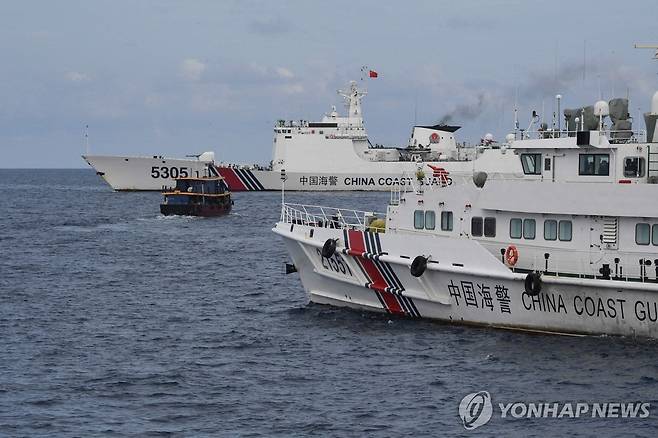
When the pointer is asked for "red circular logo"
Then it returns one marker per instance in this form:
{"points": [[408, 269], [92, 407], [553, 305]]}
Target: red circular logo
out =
{"points": [[434, 138]]}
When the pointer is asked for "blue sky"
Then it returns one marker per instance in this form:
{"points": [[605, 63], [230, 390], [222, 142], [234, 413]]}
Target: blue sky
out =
{"points": [[180, 77]]}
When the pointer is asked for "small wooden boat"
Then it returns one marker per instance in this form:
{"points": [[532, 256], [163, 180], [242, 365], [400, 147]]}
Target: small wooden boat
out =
{"points": [[202, 196]]}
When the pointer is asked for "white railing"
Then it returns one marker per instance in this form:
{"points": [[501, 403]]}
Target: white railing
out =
{"points": [[328, 217], [624, 136]]}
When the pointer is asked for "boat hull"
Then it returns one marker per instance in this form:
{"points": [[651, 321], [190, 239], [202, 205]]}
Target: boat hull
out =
{"points": [[462, 285], [194, 210]]}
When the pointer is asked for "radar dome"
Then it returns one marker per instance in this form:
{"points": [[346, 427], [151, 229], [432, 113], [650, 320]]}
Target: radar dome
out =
{"points": [[207, 157], [654, 103], [601, 108], [488, 137], [509, 138]]}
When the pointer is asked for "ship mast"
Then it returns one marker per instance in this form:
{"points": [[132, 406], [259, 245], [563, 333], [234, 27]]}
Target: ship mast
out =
{"points": [[353, 103]]}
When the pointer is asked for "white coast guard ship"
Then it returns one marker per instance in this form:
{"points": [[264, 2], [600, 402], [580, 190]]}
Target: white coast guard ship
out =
{"points": [[545, 253], [130, 173], [333, 154], [336, 154]]}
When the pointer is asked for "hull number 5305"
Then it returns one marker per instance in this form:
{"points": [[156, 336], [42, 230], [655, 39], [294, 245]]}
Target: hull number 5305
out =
{"points": [[169, 172]]}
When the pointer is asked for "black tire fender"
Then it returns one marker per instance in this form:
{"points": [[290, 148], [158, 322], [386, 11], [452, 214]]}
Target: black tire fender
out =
{"points": [[329, 248], [533, 284], [418, 266]]}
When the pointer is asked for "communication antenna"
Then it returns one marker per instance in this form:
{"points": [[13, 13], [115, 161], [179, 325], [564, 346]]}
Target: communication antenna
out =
{"points": [[516, 110], [87, 138], [283, 190], [558, 98], [364, 69], [415, 107]]}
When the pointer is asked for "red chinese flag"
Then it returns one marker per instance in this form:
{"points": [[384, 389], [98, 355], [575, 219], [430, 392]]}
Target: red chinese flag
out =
{"points": [[373, 74]]}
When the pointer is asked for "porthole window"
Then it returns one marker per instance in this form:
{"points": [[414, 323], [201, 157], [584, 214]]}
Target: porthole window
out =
{"points": [[446, 220], [565, 229], [430, 220], [489, 227], [550, 230], [419, 219], [476, 227], [529, 229], [642, 234], [515, 228]]}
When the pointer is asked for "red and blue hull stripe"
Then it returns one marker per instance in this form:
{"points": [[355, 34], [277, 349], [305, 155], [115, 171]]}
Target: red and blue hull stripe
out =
{"points": [[240, 180], [366, 248]]}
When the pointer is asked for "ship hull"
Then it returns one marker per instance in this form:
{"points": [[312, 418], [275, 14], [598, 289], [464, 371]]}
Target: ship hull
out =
{"points": [[372, 178], [148, 173], [143, 173], [472, 292]]}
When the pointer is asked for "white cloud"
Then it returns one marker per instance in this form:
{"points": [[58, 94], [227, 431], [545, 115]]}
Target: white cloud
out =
{"points": [[75, 76], [284, 73], [191, 69]]}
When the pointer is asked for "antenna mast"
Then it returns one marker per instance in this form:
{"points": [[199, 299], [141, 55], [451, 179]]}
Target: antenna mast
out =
{"points": [[87, 138], [516, 110]]}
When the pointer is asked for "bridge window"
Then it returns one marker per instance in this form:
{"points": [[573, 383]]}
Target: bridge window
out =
{"points": [[489, 227], [565, 231], [430, 220], [531, 164], [642, 234], [419, 219], [654, 235], [634, 167], [529, 229], [550, 230], [476, 227], [446, 221], [594, 164], [515, 228]]}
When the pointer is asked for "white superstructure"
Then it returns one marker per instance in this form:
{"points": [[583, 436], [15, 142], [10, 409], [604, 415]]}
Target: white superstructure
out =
{"points": [[336, 154]]}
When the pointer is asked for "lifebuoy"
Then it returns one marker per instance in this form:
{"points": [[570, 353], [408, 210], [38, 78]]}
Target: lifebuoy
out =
{"points": [[533, 284], [418, 266], [511, 255], [329, 248]]}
